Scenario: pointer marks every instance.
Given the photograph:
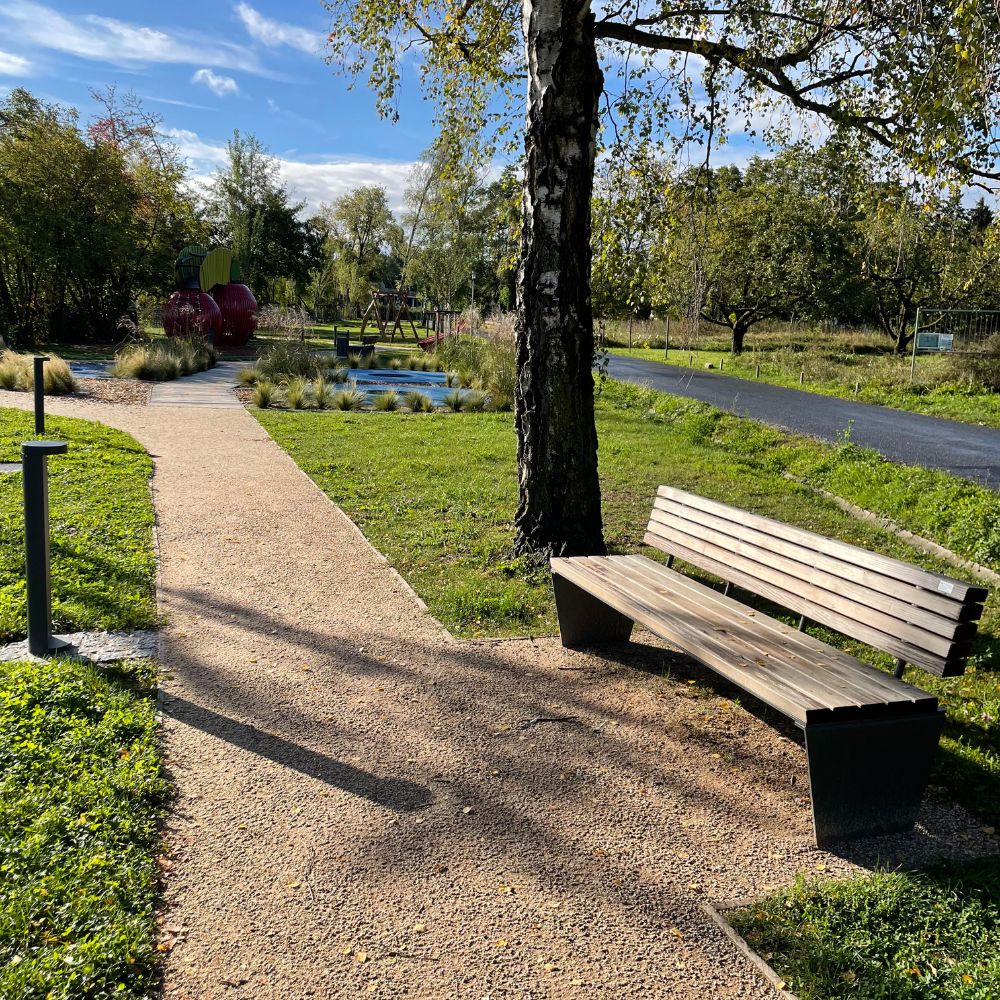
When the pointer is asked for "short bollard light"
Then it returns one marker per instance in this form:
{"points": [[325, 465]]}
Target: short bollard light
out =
{"points": [[39, 382], [35, 467]]}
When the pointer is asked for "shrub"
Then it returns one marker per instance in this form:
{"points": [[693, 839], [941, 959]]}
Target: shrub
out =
{"points": [[295, 393], [353, 360], [17, 371], [288, 359], [385, 401], [351, 398], [395, 364], [418, 402], [455, 400], [163, 360], [321, 392], [248, 376], [474, 401], [291, 323], [452, 379], [499, 367], [263, 393]]}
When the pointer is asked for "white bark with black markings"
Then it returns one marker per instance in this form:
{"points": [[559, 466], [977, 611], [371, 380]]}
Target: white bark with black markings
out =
{"points": [[559, 503]]}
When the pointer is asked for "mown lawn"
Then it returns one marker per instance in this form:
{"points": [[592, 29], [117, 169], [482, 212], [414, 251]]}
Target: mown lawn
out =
{"points": [[103, 566], [889, 936], [882, 379], [436, 494], [81, 786]]}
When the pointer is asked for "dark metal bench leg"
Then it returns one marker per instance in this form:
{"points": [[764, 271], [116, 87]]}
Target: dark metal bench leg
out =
{"points": [[583, 619], [855, 791]]}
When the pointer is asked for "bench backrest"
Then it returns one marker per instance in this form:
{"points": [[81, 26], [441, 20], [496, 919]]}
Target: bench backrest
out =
{"points": [[919, 616]]}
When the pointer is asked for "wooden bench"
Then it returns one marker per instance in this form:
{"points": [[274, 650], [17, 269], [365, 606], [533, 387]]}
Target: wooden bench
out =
{"points": [[870, 738]]}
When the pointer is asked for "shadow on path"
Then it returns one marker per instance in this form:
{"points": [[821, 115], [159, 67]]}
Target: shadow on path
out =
{"points": [[392, 793]]}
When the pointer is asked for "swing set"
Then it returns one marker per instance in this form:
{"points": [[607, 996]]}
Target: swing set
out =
{"points": [[380, 308]]}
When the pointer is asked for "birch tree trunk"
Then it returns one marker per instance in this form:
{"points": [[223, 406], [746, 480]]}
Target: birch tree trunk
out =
{"points": [[559, 497]]}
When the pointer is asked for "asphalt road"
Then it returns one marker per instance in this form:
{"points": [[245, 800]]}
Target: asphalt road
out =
{"points": [[911, 438]]}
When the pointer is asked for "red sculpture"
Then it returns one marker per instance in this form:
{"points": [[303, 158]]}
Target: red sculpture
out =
{"points": [[239, 314], [190, 313], [212, 301]]}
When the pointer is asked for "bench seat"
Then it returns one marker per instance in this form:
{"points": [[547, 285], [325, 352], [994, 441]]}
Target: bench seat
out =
{"points": [[801, 677]]}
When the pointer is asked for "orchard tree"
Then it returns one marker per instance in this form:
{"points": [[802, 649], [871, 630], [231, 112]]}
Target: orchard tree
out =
{"points": [[912, 255], [742, 249], [918, 81]]}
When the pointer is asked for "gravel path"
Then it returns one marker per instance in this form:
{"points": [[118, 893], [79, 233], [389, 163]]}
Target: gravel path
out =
{"points": [[368, 807], [912, 438]]}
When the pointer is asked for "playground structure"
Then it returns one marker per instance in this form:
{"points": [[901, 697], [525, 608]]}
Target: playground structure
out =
{"points": [[383, 303], [211, 301]]}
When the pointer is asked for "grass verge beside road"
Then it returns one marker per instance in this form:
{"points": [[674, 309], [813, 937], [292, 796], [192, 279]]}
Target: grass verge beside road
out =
{"points": [[882, 379], [436, 494], [103, 565], [81, 787]]}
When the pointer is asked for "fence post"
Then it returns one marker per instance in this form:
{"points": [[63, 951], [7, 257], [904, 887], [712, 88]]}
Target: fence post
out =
{"points": [[39, 379], [35, 474], [913, 356]]}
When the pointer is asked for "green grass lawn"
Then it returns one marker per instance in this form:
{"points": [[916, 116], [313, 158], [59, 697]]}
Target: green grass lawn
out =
{"points": [[436, 494], [81, 787], [103, 566], [882, 379], [889, 936]]}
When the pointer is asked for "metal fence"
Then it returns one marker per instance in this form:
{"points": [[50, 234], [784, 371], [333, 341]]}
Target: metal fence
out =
{"points": [[952, 331]]}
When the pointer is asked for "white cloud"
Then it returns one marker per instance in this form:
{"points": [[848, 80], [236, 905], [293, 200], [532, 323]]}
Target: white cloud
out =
{"points": [[315, 183], [219, 85], [11, 65], [273, 33], [200, 154], [311, 181], [120, 43]]}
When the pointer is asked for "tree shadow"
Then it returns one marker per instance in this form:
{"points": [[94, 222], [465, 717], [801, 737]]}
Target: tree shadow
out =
{"points": [[392, 793]]}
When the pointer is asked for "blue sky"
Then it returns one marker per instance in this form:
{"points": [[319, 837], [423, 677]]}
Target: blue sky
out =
{"points": [[210, 67], [255, 65]]}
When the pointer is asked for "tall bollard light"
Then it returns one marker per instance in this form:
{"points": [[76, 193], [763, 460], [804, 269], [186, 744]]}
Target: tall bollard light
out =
{"points": [[39, 377], [35, 466]]}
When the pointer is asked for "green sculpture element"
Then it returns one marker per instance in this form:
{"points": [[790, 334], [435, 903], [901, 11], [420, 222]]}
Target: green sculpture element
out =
{"points": [[188, 266], [216, 269]]}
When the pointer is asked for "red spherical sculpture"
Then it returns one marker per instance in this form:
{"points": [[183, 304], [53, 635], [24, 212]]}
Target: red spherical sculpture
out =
{"points": [[190, 313], [239, 314]]}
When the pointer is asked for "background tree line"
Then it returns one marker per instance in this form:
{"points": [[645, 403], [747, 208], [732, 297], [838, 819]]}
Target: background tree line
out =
{"points": [[92, 216], [799, 235]]}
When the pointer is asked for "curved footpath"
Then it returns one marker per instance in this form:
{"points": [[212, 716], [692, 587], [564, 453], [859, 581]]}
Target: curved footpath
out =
{"points": [[368, 807], [911, 438]]}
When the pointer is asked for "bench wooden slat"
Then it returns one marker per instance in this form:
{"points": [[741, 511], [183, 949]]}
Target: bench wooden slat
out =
{"points": [[920, 626], [833, 569], [798, 595], [959, 590], [804, 668], [810, 649], [752, 652], [938, 664], [718, 654]]}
